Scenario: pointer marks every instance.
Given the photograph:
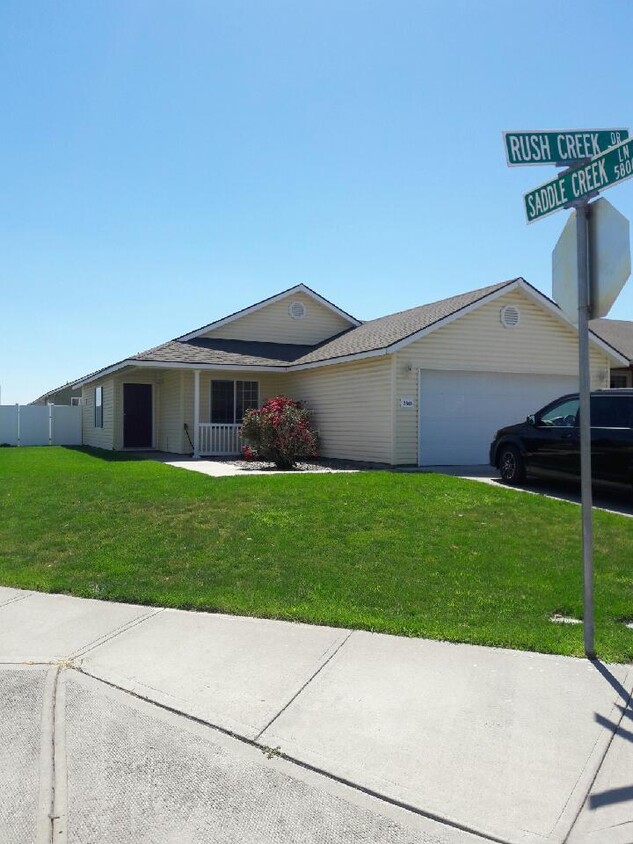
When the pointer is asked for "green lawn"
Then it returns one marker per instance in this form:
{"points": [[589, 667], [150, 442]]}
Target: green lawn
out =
{"points": [[411, 554]]}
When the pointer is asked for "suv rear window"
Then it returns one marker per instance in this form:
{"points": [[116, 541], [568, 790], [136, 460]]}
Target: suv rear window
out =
{"points": [[611, 412]]}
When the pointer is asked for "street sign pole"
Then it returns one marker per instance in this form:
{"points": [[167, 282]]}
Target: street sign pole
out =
{"points": [[597, 160], [583, 211]]}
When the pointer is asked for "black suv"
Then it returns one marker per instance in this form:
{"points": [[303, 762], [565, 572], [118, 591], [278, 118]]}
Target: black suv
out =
{"points": [[548, 442]]}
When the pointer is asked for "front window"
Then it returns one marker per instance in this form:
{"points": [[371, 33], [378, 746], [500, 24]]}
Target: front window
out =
{"points": [[562, 415], [231, 399], [619, 380]]}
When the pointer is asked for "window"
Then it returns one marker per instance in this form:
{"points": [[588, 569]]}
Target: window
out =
{"points": [[562, 415], [611, 412], [98, 407], [619, 380], [231, 399]]}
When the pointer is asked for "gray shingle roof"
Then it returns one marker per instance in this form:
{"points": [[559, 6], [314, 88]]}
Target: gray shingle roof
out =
{"points": [[374, 335], [617, 333], [386, 331], [370, 336], [224, 352]]}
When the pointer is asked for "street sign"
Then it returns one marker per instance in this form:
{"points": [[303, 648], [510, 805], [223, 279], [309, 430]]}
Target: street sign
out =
{"points": [[601, 172], [610, 261], [563, 147]]}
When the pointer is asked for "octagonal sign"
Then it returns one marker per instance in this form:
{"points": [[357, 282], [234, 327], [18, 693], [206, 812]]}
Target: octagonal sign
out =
{"points": [[610, 257]]}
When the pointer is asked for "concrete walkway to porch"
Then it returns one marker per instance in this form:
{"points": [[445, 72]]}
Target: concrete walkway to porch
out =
{"points": [[219, 468]]}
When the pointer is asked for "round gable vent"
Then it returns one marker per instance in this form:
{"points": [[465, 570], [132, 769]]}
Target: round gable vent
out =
{"points": [[297, 310], [510, 316]]}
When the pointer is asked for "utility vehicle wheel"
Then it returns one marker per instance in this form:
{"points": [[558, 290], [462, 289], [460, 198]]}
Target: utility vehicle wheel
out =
{"points": [[511, 465]]}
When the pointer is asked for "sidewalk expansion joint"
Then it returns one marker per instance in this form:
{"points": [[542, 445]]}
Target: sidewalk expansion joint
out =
{"points": [[59, 811], [45, 810], [108, 637], [15, 600], [625, 712], [278, 753], [305, 685]]}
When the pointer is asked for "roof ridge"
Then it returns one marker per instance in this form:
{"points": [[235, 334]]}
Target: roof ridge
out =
{"points": [[481, 290]]}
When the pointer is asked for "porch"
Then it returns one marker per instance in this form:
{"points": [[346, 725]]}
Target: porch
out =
{"points": [[219, 400], [215, 440]]}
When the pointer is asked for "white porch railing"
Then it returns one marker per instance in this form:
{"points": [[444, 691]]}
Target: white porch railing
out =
{"points": [[219, 440]]}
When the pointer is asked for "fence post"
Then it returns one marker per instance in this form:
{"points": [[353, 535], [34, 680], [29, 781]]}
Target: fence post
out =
{"points": [[50, 424], [17, 414]]}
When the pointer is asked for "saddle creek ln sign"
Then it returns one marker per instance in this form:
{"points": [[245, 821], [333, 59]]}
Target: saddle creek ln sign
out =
{"points": [[602, 172], [559, 147]]}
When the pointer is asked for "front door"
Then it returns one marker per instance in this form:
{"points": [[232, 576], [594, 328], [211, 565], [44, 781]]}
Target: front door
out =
{"points": [[137, 416]]}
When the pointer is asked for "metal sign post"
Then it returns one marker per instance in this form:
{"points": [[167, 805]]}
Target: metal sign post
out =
{"points": [[599, 159], [582, 244]]}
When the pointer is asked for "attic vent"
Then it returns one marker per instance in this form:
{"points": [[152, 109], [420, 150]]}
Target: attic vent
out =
{"points": [[510, 316], [297, 310]]}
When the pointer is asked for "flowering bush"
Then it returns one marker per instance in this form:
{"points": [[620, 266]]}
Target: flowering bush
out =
{"points": [[280, 431]]}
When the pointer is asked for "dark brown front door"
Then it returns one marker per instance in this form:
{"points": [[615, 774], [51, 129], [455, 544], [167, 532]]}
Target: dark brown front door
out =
{"points": [[137, 416]]}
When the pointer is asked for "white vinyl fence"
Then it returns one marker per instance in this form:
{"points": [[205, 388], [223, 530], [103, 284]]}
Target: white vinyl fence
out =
{"points": [[40, 424]]}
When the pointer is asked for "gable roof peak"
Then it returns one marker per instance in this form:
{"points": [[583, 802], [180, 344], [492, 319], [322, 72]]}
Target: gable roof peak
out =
{"points": [[297, 288]]}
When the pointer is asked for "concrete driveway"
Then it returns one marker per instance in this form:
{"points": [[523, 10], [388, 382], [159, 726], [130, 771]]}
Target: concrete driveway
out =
{"points": [[123, 723]]}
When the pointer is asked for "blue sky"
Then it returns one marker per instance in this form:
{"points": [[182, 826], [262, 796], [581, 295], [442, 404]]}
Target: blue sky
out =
{"points": [[167, 163]]}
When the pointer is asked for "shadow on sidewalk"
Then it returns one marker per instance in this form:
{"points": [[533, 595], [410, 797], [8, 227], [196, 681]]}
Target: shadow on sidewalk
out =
{"points": [[621, 794]]}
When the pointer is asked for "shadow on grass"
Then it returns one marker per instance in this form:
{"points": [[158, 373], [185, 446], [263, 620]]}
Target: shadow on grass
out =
{"points": [[119, 456]]}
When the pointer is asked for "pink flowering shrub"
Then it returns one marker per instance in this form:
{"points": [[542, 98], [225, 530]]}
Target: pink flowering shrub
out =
{"points": [[280, 431]]}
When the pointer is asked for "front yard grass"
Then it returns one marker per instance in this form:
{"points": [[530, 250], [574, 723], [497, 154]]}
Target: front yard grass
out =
{"points": [[410, 554]]}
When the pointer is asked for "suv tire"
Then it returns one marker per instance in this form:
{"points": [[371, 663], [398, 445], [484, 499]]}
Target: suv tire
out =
{"points": [[510, 464]]}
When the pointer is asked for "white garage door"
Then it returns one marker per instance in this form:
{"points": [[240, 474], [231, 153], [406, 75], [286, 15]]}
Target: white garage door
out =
{"points": [[460, 411]]}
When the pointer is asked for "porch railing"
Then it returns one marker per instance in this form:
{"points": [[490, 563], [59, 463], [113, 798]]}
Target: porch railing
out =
{"points": [[219, 440]]}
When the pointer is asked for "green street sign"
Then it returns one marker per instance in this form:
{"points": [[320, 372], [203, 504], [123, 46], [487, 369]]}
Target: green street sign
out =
{"points": [[562, 147], [602, 172]]}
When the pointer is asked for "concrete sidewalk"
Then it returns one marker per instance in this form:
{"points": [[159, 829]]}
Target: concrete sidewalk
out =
{"points": [[121, 723]]}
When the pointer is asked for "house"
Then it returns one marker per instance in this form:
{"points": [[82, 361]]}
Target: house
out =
{"points": [[66, 394], [618, 333], [425, 386]]}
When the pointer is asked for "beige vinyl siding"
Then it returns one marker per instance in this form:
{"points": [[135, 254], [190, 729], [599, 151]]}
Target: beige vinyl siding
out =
{"points": [[170, 413], [98, 437], [540, 343], [273, 324], [351, 405]]}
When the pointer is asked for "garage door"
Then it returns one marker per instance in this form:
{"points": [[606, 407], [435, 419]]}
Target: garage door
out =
{"points": [[460, 411]]}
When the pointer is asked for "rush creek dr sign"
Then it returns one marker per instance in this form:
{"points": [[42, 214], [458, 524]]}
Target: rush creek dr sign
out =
{"points": [[562, 147], [603, 171]]}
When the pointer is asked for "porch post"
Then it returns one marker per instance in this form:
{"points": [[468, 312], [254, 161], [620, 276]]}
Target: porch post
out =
{"points": [[196, 414]]}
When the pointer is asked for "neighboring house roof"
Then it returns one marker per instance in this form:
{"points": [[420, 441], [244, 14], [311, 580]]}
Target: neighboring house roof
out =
{"points": [[374, 337], [617, 333], [70, 385]]}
